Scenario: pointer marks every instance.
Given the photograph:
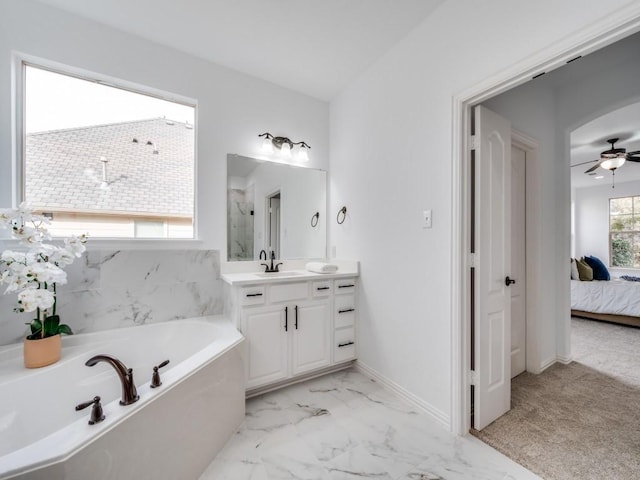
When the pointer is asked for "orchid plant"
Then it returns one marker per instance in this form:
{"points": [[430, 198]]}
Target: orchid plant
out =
{"points": [[34, 274]]}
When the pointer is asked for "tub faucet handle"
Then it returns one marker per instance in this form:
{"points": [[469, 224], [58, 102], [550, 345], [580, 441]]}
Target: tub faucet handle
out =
{"points": [[155, 379], [97, 415]]}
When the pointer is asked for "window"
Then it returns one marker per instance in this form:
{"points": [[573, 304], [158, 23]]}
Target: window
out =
{"points": [[106, 160], [624, 232], [150, 229]]}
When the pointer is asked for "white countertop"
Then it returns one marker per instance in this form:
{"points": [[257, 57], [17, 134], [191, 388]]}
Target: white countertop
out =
{"points": [[294, 271]]}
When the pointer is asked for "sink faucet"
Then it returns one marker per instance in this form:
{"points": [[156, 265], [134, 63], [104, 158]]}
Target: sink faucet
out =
{"points": [[129, 392], [271, 268]]}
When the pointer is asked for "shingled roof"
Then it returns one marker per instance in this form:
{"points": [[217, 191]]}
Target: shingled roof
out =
{"points": [[64, 171]]}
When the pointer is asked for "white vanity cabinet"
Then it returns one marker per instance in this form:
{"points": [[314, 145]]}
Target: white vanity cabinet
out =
{"points": [[294, 327], [268, 349], [311, 339]]}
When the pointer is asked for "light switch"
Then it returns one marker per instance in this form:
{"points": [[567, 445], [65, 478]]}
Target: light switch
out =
{"points": [[427, 219]]}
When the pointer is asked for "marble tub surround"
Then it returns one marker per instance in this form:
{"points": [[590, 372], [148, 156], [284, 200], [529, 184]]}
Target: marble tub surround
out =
{"points": [[119, 288], [346, 426]]}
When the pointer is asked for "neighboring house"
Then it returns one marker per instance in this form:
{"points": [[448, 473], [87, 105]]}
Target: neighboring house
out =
{"points": [[117, 180]]}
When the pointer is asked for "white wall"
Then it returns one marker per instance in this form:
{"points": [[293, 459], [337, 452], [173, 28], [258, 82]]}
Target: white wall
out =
{"points": [[391, 155], [592, 216], [233, 108]]}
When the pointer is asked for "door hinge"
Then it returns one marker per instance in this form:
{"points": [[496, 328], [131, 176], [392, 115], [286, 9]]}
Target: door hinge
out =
{"points": [[473, 260], [474, 142], [473, 378]]}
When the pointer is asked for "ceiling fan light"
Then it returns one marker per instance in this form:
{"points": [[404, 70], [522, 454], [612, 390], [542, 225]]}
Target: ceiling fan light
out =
{"points": [[612, 163]]}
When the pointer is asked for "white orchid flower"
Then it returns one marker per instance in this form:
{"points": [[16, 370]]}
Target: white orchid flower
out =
{"points": [[45, 272], [9, 257], [75, 245], [32, 299], [32, 273]]}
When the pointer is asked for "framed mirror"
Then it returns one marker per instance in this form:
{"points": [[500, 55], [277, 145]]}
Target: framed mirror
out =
{"points": [[275, 207]]}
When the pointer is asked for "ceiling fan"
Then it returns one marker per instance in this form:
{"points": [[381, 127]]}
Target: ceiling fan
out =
{"points": [[612, 159]]}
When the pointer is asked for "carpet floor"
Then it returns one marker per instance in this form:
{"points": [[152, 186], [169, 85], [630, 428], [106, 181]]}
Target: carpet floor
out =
{"points": [[582, 420]]}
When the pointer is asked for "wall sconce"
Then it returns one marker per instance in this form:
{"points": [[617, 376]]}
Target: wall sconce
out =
{"points": [[270, 144]]}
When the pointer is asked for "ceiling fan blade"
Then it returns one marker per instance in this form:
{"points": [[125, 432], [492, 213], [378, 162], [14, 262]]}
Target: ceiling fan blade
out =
{"points": [[584, 163], [633, 159], [633, 153], [593, 168]]}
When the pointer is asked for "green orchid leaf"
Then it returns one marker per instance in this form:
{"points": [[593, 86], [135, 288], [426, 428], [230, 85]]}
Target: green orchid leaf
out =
{"points": [[64, 329], [36, 326], [51, 325]]}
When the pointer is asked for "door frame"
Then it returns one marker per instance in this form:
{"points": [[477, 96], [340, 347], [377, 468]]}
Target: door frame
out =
{"points": [[610, 29], [267, 220], [532, 270]]}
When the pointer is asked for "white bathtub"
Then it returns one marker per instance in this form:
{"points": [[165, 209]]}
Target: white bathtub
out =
{"points": [[172, 432]]}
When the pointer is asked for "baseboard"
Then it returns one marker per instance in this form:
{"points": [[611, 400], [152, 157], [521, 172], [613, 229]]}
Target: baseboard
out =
{"points": [[564, 360], [547, 363], [437, 414], [250, 393]]}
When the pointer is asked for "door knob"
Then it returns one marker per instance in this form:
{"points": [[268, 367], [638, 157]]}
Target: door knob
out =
{"points": [[508, 281]]}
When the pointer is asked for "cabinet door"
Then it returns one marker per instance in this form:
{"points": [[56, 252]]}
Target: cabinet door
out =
{"points": [[264, 329], [311, 347]]}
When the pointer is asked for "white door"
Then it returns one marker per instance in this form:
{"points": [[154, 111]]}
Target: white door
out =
{"points": [[492, 392], [264, 329], [311, 336], [518, 263]]}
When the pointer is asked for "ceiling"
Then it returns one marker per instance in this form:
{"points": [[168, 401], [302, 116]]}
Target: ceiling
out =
{"points": [[590, 139], [313, 47]]}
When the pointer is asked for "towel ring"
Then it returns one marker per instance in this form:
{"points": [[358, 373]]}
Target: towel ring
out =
{"points": [[314, 219], [343, 212]]}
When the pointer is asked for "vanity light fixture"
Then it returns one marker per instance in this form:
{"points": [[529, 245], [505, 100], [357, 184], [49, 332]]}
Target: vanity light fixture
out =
{"points": [[285, 147]]}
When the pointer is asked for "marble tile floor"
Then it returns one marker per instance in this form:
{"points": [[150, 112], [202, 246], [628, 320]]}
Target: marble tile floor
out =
{"points": [[346, 426]]}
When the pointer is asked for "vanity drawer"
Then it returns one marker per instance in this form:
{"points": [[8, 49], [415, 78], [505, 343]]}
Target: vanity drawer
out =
{"points": [[344, 311], [322, 288], [344, 345], [345, 286], [285, 292], [252, 295]]}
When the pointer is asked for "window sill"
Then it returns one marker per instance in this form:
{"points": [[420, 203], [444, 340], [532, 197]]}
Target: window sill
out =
{"points": [[120, 243]]}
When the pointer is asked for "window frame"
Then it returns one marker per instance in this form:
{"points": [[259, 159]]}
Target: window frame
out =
{"points": [[18, 182], [633, 214]]}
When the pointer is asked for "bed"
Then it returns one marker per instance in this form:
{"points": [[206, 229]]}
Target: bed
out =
{"points": [[615, 301]]}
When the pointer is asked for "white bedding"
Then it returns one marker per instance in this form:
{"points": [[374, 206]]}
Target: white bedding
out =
{"points": [[618, 297]]}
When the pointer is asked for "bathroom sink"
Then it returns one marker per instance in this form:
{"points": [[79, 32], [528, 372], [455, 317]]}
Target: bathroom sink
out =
{"points": [[277, 274]]}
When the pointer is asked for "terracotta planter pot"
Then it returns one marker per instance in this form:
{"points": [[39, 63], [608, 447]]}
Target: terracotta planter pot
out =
{"points": [[42, 352]]}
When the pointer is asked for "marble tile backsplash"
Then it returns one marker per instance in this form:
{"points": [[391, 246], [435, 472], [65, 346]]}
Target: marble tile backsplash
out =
{"points": [[122, 288]]}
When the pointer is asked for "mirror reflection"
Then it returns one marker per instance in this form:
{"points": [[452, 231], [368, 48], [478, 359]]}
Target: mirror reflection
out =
{"points": [[275, 207]]}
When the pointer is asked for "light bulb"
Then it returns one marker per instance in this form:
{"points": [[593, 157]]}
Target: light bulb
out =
{"points": [[303, 156], [267, 145], [285, 151], [613, 163]]}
